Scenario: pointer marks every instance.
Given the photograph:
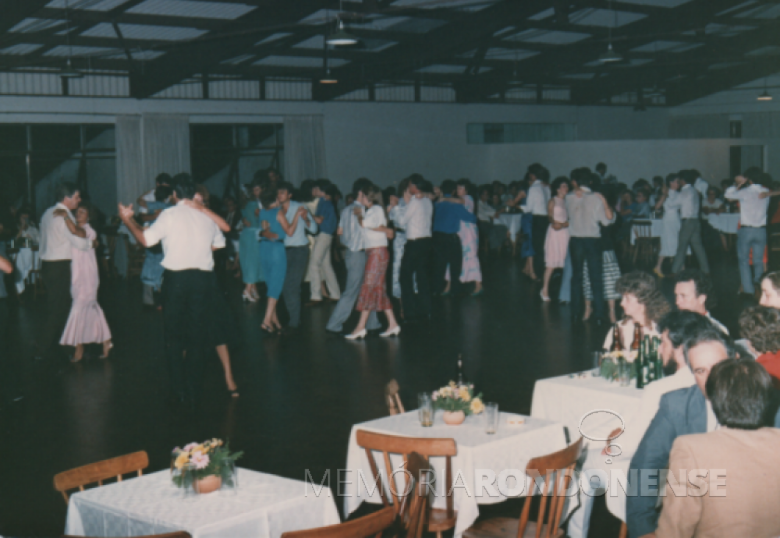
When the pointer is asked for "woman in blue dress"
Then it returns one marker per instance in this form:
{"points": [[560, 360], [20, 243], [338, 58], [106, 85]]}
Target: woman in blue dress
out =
{"points": [[272, 254], [248, 250]]}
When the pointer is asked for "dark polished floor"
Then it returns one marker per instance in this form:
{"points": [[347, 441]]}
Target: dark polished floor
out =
{"points": [[299, 395]]}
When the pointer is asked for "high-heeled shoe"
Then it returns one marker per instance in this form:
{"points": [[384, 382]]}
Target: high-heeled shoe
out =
{"points": [[359, 334], [659, 273], [544, 298], [247, 296], [254, 294], [105, 353], [392, 332]]}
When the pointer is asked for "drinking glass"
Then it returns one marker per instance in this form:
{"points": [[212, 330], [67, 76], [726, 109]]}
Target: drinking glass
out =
{"points": [[596, 359], [425, 409], [624, 372], [491, 418]]}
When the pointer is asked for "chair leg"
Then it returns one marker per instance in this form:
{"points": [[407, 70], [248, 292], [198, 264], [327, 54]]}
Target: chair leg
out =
{"points": [[623, 531]]}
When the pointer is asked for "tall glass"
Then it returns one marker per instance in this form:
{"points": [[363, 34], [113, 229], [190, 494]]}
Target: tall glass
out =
{"points": [[624, 372], [491, 418], [425, 409]]}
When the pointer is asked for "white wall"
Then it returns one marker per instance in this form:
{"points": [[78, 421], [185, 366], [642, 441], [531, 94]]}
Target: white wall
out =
{"points": [[387, 141]]}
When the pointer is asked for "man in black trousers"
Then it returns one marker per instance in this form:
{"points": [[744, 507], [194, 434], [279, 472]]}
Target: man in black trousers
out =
{"points": [[446, 243], [59, 235], [188, 235]]}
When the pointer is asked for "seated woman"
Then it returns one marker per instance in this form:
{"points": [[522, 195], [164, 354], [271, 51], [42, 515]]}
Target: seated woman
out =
{"points": [[642, 303], [760, 326], [770, 290]]}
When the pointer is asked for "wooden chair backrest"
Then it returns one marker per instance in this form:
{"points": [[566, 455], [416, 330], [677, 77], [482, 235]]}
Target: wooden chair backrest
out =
{"points": [[100, 471], [415, 504], [393, 444], [642, 228], [178, 534], [393, 400], [556, 482], [371, 525]]}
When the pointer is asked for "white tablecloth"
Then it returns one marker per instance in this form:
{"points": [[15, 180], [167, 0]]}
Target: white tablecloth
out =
{"points": [[511, 221], [567, 399], [725, 222], [264, 506], [509, 448]]}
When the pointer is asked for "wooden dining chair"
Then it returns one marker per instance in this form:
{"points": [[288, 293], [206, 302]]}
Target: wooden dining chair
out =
{"points": [[393, 400], [99, 471], [407, 522], [438, 520], [177, 534], [551, 467], [644, 247]]}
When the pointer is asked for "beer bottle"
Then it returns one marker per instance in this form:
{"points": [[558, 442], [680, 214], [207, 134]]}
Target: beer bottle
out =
{"points": [[617, 341], [641, 367], [659, 364]]}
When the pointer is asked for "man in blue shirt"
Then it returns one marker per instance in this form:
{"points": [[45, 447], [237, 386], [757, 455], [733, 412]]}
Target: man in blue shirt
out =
{"points": [[319, 264], [448, 214], [297, 247]]}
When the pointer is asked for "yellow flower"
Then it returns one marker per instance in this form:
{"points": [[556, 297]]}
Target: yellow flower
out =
{"points": [[446, 392], [181, 460], [464, 394], [453, 384], [477, 406]]}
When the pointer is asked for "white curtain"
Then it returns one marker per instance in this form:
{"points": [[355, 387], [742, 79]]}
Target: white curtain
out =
{"points": [[304, 148], [147, 146]]}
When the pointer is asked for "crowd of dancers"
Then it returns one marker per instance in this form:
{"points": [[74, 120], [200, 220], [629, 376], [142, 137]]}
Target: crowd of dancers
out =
{"points": [[402, 244]]}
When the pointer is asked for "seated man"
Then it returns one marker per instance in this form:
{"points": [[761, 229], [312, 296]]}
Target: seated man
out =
{"points": [[681, 412], [743, 500], [693, 291], [675, 328]]}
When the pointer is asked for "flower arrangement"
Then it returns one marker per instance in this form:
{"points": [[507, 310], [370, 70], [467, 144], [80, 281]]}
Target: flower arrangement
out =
{"points": [[197, 461], [609, 367], [454, 397]]}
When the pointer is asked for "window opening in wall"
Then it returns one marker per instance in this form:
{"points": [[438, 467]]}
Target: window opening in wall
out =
{"points": [[735, 129], [226, 156], [34, 158], [517, 133]]}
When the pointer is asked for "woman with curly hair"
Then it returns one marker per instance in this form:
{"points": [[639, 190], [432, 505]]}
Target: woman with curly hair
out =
{"points": [[760, 326], [642, 304]]}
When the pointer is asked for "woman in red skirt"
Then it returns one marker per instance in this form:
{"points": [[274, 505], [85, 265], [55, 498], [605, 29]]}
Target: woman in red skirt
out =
{"points": [[373, 297]]}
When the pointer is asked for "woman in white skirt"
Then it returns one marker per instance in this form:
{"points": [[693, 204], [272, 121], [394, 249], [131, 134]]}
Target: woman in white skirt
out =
{"points": [[671, 220]]}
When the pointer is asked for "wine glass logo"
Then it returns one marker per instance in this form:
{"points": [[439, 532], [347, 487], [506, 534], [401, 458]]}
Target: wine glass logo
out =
{"points": [[609, 439]]}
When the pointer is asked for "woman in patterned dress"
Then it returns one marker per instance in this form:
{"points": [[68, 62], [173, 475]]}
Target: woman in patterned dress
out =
{"points": [[373, 297], [469, 240]]}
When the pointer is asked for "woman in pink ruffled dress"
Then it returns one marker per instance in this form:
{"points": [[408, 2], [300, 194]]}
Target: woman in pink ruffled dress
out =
{"points": [[86, 322]]}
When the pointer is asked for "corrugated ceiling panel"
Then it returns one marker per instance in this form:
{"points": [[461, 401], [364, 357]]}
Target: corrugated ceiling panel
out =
{"points": [[299, 61], [437, 94], [66, 50], [20, 49], [143, 31], [86, 5], [234, 89], [30, 84], [138, 55], [392, 92], [288, 89], [185, 90], [604, 17], [100, 86], [188, 8], [30, 25]]}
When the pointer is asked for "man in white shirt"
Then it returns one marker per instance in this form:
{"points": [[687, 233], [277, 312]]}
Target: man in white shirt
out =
{"points": [[351, 234], [689, 201], [417, 221], [59, 235], [674, 328], [692, 291], [536, 204], [188, 237], [753, 201]]}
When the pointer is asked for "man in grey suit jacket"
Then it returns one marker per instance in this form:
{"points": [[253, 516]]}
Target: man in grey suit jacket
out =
{"points": [[681, 412]]}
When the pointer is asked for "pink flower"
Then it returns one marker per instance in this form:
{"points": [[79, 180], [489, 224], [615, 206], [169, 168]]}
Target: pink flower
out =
{"points": [[190, 446], [435, 395], [199, 460]]}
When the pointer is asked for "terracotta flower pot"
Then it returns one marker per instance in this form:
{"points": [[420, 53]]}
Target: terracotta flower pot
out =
{"points": [[454, 418], [208, 484]]}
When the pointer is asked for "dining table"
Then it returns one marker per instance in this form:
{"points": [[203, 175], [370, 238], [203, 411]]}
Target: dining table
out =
{"points": [[480, 456], [262, 506]]}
